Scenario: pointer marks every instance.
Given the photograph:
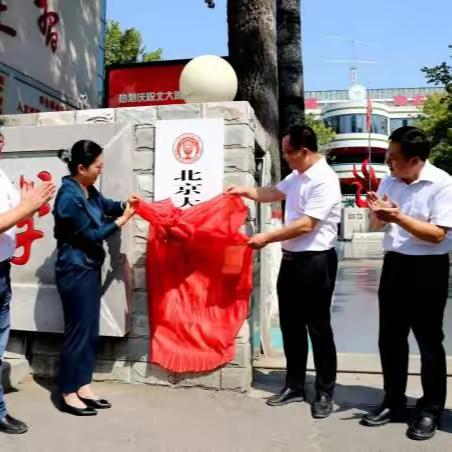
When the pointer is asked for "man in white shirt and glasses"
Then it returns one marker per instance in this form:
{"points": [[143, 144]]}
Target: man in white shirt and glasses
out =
{"points": [[14, 207], [309, 265], [414, 206]]}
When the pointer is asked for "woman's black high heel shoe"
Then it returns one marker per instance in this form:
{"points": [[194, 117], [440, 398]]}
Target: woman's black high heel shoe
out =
{"points": [[99, 404], [87, 411]]}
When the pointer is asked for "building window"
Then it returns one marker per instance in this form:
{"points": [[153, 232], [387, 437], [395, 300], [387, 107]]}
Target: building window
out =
{"points": [[356, 123], [401, 122]]}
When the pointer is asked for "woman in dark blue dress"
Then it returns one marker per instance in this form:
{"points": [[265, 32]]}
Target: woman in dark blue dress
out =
{"points": [[83, 219]]}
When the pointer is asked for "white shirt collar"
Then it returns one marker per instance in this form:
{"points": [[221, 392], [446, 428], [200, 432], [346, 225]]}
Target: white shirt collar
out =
{"points": [[427, 173], [314, 169]]}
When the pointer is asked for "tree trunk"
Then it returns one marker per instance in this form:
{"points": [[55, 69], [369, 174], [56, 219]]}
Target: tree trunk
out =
{"points": [[290, 67], [253, 54]]}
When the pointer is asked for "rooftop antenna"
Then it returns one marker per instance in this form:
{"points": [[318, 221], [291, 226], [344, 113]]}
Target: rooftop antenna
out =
{"points": [[354, 61]]}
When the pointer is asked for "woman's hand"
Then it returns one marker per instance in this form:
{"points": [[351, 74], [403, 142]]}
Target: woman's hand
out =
{"points": [[129, 212], [133, 199]]}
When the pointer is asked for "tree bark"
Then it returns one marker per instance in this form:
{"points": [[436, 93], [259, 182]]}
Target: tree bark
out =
{"points": [[290, 67], [253, 54]]}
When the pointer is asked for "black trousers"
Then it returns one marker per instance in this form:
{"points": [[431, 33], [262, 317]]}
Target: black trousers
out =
{"points": [[305, 288], [80, 294], [413, 295]]}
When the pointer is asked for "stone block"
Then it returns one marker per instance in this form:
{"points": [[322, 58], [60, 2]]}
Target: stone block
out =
{"points": [[140, 303], [16, 346], [45, 366], [46, 344], [140, 326], [139, 257], [244, 333], [145, 184], [241, 159], [242, 356], [30, 119], [60, 118], [139, 115], [13, 372], [145, 137], [231, 112], [127, 349], [179, 111], [143, 162], [239, 179], [238, 136], [99, 115], [262, 138], [236, 378], [208, 380], [139, 278], [119, 371], [151, 374], [140, 228]]}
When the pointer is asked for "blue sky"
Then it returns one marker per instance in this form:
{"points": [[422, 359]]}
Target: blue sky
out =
{"points": [[405, 35]]}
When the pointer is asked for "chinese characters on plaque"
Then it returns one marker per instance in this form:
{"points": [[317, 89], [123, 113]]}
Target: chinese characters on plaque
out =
{"points": [[189, 162]]}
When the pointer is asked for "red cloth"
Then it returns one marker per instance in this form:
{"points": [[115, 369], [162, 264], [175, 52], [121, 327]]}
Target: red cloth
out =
{"points": [[199, 277]]}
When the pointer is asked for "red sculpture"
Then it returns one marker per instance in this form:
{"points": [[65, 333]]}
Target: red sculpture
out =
{"points": [[26, 238], [367, 182]]}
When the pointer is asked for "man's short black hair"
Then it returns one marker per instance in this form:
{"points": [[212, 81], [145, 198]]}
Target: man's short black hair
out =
{"points": [[303, 136], [413, 142]]}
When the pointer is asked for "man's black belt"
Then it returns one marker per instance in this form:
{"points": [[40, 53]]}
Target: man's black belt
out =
{"points": [[298, 254]]}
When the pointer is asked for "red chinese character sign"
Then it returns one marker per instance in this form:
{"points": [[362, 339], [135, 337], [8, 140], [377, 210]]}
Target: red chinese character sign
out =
{"points": [[155, 83], [4, 27], [47, 21], [189, 160], [26, 237]]}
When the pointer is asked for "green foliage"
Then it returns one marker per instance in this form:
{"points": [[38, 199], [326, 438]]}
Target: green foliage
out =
{"points": [[324, 133], [126, 46], [436, 118], [438, 75]]}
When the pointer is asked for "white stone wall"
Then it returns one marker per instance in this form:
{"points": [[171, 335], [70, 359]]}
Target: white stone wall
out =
{"points": [[126, 359]]}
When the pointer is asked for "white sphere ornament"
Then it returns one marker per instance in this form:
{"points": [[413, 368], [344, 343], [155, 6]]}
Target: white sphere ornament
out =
{"points": [[208, 78]]}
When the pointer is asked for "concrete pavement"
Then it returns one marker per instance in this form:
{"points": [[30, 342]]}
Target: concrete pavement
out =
{"points": [[161, 419]]}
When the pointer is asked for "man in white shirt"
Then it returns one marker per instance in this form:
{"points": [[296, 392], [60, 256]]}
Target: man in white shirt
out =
{"points": [[14, 207], [414, 206], [309, 265]]}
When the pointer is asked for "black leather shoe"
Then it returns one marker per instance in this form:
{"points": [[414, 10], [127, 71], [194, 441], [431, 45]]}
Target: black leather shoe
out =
{"points": [[87, 411], [286, 396], [13, 426], [383, 415], [99, 403], [322, 406], [423, 427]]}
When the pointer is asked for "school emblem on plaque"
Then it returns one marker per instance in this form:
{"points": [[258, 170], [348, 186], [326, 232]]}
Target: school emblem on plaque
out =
{"points": [[188, 148]]}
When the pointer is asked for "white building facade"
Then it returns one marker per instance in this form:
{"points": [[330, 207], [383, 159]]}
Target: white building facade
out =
{"points": [[51, 54]]}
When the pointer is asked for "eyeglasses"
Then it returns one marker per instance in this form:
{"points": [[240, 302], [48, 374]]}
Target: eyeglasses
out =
{"points": [[285, 151]]}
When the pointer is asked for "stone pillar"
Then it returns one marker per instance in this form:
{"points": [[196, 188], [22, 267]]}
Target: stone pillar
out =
{"points": [[126, 358]]}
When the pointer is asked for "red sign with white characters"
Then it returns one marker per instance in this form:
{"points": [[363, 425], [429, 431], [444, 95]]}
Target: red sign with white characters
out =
{"points": [[155, 83]]}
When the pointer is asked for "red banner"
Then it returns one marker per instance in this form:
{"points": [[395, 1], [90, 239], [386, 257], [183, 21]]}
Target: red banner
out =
{"points": [[199, 274]]}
